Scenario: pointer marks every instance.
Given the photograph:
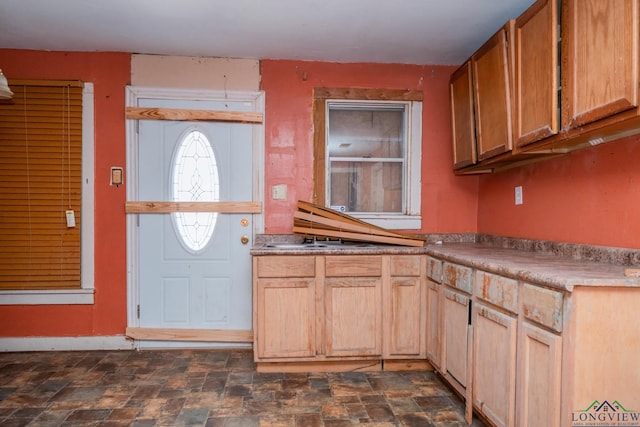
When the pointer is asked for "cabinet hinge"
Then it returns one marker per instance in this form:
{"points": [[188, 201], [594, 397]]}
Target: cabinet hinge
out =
{"points": [[138, 311], [470, 302]]}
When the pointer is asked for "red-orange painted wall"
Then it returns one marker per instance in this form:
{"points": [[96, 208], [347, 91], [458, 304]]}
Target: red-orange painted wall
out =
{"points": [[591, 196], [449, 203], [110, 73]]}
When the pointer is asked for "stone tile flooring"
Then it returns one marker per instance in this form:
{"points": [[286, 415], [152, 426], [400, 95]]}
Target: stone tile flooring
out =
{"points": [[210, 388]]}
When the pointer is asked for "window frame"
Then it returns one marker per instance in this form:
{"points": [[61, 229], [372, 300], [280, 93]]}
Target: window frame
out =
{"points": [[411, 218], [84, 294]]}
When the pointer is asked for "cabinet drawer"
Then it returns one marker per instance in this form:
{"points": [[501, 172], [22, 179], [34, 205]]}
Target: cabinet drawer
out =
{"points": [[456, 297], [543, 306], [457, 276], [405, 265], [355, 265], [286, 266], [434, 269], [497, 290]]}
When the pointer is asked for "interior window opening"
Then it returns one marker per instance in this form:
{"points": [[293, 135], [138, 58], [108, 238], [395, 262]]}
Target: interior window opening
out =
{"points": [[366, 157]]}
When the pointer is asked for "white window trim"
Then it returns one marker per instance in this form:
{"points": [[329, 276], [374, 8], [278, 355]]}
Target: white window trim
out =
{"points": [[84, 295], [412, 220]]}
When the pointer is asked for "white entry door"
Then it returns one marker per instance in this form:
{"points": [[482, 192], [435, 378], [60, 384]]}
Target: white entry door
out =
{"points": [[194, 268]]}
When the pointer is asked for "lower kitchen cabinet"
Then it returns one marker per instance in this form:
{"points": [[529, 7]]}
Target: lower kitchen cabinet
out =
{"points": [[339, 309], [542, 354], [353, 317], [434, 311], [456, 320], [539, 367], [404, 314], [285, 307], [288, 327], [434, 325], [494, 364], [353, 305]]}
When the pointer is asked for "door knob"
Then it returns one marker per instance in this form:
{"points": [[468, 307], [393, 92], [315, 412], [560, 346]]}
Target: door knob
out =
{"points": [[244, 240]]}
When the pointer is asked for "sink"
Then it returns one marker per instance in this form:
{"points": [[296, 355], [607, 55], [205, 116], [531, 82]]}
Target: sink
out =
{"points": [[295, 245], [318, 245], [337, 244]]}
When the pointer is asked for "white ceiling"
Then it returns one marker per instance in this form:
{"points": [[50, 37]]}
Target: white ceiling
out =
{"points": [[390, 31]]}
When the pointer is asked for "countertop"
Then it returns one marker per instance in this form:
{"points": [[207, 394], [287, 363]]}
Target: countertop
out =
{"points": [[560, 272], [547, 268]]}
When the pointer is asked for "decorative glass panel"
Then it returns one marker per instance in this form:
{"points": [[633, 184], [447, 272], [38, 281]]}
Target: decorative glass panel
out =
{"points": [[195, 179]]}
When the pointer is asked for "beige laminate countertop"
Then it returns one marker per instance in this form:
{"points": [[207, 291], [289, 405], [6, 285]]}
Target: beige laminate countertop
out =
{"points": [[335, 249], [559, 272]]}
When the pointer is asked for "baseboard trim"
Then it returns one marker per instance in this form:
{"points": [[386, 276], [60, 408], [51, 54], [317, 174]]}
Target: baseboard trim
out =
{"points": [[321, 366], [110, 342], [196, 335]]}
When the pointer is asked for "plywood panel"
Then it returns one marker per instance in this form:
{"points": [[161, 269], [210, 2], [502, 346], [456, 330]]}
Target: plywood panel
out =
{"points": [[195, 72]]}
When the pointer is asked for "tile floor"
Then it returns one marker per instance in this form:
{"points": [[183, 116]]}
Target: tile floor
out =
{"points": [[210, 388]]}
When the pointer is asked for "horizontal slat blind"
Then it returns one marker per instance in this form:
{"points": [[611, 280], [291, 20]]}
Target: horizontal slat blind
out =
{"points": [[41, 176]]}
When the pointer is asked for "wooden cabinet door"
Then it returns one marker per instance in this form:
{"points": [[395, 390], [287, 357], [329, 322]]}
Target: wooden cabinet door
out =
{"points": [[406, 323], [404, 302], [462, 118], [599, 59], [455, 328], [536, 73], [353, 316], [492, 93], [539, 365], [285, 324], [494, 364], [434, 329]]}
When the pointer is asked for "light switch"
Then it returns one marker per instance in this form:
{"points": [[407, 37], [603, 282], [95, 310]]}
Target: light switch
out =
{"points": [[279, 192], [519, 195]]}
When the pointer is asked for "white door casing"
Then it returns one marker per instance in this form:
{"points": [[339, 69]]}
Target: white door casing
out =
{"points": [[170, 285]]}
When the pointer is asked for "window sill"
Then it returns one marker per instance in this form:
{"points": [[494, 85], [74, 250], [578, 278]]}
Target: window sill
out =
{"points": [[408, 222], [46, 297]]}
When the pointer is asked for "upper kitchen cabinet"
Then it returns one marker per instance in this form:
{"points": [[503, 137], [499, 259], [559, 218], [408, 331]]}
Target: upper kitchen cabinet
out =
{"points": [[462, 118], [481, 107], [575, 82], [599, 59], [492, 95], [536, 73]]}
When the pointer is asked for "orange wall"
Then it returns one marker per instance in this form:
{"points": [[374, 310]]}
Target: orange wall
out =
{"points": [[449, 203], [591, 196], [110, 74]]}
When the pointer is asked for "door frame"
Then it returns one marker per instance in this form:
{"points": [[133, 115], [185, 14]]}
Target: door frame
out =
{"points": [[133, 94]]}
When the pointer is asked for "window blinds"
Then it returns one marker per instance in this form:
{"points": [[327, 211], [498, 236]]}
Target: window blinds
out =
{"points": [[40, 180]]}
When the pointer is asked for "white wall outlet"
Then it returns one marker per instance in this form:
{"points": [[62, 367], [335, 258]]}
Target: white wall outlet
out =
{"points": [[519, 195], [279, 192]]}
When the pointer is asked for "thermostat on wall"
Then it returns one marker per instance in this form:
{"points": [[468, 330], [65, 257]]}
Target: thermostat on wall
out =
{"points": [[71, 218], [116, 175]]}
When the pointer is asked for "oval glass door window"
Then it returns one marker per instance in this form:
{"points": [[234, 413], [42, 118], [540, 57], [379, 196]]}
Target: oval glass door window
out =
{"points": [[195, 179]]}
